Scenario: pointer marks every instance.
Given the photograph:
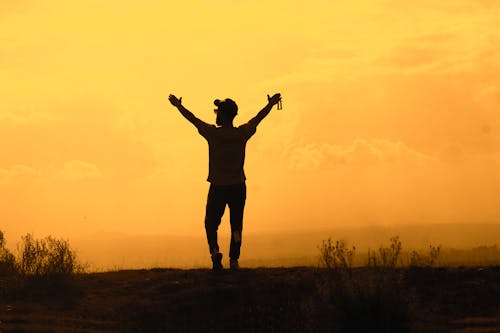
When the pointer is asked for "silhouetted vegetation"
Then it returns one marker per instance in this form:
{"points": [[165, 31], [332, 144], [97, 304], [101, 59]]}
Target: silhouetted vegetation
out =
{"points": [[7, 259], [42, 267], [46, 258], [371, 299], [422, 259], [39, 258], [374, 296]]}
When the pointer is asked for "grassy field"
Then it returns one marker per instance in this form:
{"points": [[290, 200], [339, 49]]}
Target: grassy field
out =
{"points": [[44, 288], [301, 299]]}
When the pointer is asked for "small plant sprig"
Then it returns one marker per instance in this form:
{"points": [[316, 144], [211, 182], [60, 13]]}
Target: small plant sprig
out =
{"points": [[338, 255], [387, 257], [418, 259], [7, 259]]}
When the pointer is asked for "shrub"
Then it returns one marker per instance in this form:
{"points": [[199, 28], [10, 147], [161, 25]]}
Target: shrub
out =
{"points": [[368, 299], [387, 257], [337, 256], [7, 259], [419, 259], [46, 258]]}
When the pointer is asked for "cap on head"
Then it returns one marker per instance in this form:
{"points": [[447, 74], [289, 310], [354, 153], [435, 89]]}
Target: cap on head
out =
{"points": [[227, 106], [226, 109]]}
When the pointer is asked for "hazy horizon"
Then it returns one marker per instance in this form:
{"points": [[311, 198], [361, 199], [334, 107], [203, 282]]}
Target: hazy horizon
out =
{"points": [[102, 251]]}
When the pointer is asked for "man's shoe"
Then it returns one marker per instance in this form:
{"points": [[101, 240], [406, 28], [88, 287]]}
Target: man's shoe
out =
{"points": [[233, 264], [217, 261]]}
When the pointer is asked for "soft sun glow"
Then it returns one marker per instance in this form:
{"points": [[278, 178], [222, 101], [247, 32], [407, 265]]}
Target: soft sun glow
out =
{"points": [[390, 112]]}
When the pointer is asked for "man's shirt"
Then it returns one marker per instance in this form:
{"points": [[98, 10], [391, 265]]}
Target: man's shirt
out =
{"points": [[226, 151]]}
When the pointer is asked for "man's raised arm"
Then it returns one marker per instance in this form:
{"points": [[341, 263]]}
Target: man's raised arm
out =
{"points": [[177, 102], [271, 101]]}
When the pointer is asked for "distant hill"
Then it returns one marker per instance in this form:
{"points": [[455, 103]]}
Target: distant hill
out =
{"points": [[104, 251]]}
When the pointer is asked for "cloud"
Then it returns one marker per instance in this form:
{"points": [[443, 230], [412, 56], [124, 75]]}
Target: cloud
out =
{"points": [[453, 36], [433, 38], [14, 6], [489, 97], [322, 69], [359, 152], [71, 171], [466, 7], [90, 129], [18, 171], [26, 118], [410, 56], [439, 58], [78, 170]]}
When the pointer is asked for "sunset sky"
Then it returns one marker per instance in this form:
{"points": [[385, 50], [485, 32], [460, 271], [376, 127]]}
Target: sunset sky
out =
{"points": [[391, 112]]}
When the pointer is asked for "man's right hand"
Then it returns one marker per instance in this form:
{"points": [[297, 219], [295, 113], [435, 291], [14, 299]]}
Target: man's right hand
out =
{"points": [[274, 99], [175, 101]]}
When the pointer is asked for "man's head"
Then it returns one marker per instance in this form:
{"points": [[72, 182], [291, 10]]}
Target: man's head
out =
{"points": [[226, 111]]}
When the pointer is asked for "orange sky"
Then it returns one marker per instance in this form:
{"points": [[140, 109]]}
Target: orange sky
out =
{"points": [[391, 112]]}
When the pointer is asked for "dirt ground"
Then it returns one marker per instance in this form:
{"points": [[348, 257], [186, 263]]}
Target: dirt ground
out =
{"points": [[250, 300]]}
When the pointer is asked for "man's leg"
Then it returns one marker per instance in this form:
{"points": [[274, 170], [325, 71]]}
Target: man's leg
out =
{"points": [[216, 204], [236, 203]]}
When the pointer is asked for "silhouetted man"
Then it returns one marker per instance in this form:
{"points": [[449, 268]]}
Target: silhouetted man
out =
{"points": [[226, 147]]}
